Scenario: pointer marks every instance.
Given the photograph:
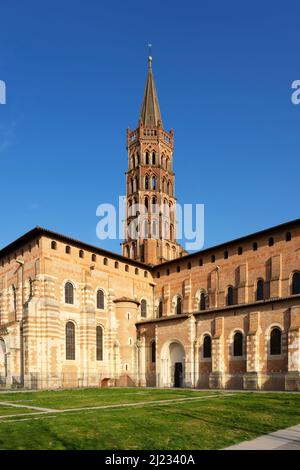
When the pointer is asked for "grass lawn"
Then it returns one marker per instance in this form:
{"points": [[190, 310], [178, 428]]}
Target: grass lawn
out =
{"points": [[214, 421]]}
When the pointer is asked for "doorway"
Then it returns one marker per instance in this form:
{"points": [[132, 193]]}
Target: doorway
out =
{"points": [[178, 374]]}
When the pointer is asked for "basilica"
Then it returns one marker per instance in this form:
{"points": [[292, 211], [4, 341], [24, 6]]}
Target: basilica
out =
{"points": [[76, 315]]}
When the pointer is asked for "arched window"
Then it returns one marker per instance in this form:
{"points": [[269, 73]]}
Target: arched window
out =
{"points": [[68, 249], [154, 229], [70, 341], [147, 158], [178, 306], [207, 346], [99, 343], [238, 344], [271, 241], [154, 182], [146, 182], [202, 303], [81, 254], [296, 283], [160, 309], [288, 237], [145, 233], [275, 341], [230, 296], [53, 245], [260, 288], [172, 232], [167, 231], [100, 299], [154, 205], [14, 299], [144, 308], [146, 204], [153, 352], [69, 293], [153, 158]]}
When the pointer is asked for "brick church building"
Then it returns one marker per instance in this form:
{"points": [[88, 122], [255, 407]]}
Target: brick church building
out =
{"points": [[73, 314]]}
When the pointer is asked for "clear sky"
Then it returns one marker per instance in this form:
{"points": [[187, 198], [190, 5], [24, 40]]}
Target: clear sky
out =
{"points": [[75, 73]]}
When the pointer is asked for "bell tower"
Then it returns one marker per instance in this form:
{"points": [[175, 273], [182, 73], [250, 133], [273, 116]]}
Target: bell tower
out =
{"points": [[150, 225]]}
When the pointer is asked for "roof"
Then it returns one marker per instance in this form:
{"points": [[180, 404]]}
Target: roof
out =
{"points": [[268, 231], [150, 112], [40, 231]]}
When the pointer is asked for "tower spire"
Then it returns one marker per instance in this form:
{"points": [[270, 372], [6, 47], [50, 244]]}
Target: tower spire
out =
{"points": [[150, 112]]}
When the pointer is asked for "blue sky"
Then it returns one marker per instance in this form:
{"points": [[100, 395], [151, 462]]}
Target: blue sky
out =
{"points": [[75, 73]]}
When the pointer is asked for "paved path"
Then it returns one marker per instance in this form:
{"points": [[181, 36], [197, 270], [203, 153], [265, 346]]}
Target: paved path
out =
{"points": [[285, 439], [46, 411]]}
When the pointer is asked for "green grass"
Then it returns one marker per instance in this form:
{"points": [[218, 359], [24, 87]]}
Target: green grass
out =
{"points": [[208, 423]]}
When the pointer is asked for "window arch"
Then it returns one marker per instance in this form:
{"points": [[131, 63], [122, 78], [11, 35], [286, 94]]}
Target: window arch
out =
{"points": [[178, 305], [154, 182], [100, 299], [207, 347], [202, 301], [260, 289], [153, 352], [99, 343], [296, 283], [238, 344], [146, 182], [144, 308], [70, 341], [53, 245], [153, 158], [69, 293], [230, 296], [275, 341]]}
